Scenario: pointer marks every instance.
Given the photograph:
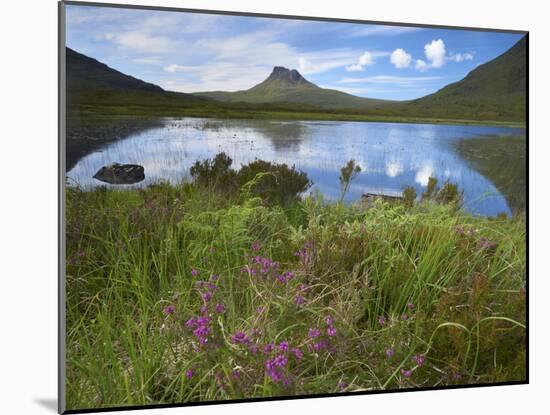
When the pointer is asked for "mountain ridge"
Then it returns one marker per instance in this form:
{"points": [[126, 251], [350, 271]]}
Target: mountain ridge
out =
{"points": [[90, 82], [494, 91], [288, 86]]}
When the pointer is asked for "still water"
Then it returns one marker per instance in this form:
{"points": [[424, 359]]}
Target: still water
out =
{"points": [[391, 155]]}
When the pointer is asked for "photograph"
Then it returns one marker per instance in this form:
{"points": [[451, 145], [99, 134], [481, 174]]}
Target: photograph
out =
{"points": [[258, 207]]}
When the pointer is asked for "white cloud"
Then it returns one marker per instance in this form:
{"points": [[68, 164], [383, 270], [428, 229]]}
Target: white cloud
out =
{"points": [[363, 91], [400, 59], [406, 81], [435, 53], [152, 60], [461, 57], [421, 65], [355, 68], [366, 59], [313, 63], [141, 42], [181, 68], [216, 76]]}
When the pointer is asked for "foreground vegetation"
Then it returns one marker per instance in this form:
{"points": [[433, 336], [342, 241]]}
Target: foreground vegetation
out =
{"points": [[217, 290]]}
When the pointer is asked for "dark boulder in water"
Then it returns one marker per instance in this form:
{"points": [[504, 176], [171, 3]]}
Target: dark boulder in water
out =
{"points": [[121, 173]]}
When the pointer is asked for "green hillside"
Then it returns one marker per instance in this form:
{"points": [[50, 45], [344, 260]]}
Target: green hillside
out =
{"points": [[495, 90], [91, 83], [288, 86]]}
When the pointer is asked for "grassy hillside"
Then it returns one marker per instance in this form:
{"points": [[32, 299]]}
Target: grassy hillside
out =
{"points": [[92, 84], [289, 87], [492, 91], [187, 293]]}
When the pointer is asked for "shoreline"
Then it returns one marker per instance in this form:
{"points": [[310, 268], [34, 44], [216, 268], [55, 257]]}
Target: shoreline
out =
{"points": [[300, 116]]}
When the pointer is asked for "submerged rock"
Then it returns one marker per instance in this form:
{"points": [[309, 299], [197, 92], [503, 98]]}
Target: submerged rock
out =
{"points": [[121, 173]]}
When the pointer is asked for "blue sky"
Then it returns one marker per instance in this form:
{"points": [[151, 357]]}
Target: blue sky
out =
{"points": [[191, 52]]}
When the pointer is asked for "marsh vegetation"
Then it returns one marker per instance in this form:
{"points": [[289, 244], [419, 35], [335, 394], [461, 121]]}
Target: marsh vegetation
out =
{"points": [[208, 290]]}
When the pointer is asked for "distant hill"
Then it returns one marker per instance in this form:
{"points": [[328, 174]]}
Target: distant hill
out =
{"points": [[495, 90], [289, 86], [92, 83]]}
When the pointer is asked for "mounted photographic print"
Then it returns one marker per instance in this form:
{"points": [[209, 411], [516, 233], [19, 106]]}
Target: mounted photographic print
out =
{"points": [[260, 207]]}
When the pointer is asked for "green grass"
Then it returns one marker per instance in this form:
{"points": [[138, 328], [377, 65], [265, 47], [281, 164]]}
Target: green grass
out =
{"points": [[426, 272], [491, 94], [503, 161], [270, 113]]}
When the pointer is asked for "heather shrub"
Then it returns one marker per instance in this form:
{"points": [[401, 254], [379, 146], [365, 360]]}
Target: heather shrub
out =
{"points": [[198, 292]]}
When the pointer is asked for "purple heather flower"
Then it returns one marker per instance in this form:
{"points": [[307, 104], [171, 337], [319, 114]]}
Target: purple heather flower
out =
{"points": [[381, 320], [211, 286], [280, 360], [214, 277], [255, 246], [406, 373], [219, 308], [191, 323], [319, 345], [299, 300], [297, 353], [410, 306], [189, 373], [207, 296], [169, 309], [253, 348], [275, 375], [486, 244], [342, 386], [331, 331], [390, 351], [329, 320], [202, 331], [260, 309], [404, 317], [419, 359], [268, 348], [303, 288], [240, 338], [194, 272], [203, 320], [281, 279], [283, 346], [314, 332], [203, 309]]}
